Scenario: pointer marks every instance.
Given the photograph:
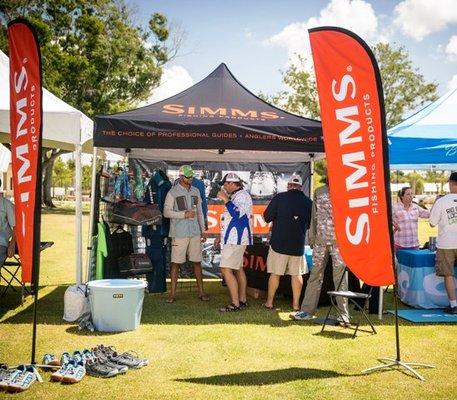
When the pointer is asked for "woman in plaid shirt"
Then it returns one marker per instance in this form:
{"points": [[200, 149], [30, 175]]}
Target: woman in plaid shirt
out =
{"points": [[405, 216]]}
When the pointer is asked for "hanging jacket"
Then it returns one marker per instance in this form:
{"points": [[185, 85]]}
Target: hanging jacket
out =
{"points": [[156, 192]]}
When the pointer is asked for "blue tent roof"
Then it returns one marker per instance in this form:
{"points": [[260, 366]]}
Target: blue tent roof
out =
{"points": [[427, 139]]}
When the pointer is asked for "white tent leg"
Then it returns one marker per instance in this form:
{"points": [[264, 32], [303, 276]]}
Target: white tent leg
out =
{"points": [[78, 215], [92, 209], [381, 302]]}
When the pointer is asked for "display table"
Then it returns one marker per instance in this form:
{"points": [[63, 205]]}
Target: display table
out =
{"points": [[419, 286]]}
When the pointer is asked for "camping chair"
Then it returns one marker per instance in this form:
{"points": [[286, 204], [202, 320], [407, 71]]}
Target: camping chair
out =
{"points": [[354, 298], [9, 272]]}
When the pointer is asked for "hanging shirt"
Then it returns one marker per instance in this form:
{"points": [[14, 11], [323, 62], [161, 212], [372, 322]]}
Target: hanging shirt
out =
{"points": [[102, 252], [236, 220]]}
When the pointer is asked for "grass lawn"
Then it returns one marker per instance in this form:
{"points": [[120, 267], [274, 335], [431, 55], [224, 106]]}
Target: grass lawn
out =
{"points": [[196, 352]]}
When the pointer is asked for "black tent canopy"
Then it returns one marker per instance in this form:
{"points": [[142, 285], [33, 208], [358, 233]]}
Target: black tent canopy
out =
{"points": [[217, 119]]}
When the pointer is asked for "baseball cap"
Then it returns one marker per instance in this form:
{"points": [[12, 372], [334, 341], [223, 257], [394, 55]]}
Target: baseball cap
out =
{"points": [[296, 180], [187, 171], [230, 177], [453, 176]]}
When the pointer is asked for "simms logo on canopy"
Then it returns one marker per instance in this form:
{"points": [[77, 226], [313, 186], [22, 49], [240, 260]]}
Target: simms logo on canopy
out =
{"points": [[354, 158], [222, 112]]}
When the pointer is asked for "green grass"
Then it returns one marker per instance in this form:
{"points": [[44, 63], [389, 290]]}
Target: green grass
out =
{"points": [[198, 353]]}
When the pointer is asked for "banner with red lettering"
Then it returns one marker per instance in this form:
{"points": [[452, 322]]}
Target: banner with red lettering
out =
{"points": [[353, 120], [25, 128]]}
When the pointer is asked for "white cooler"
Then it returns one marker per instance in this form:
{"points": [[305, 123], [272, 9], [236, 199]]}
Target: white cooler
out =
{"points": [[116, 304]]}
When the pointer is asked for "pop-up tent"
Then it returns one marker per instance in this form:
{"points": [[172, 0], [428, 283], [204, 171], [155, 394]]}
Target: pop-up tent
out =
{"points": [[64, 127], [427, 139], [217, 119]]}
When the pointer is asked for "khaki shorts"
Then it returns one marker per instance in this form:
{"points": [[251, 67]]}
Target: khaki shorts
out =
{"points": [[445, 260], [280, 264], [191, 246], [232, 256]]}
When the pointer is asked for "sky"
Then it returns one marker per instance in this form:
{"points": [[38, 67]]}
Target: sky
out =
{"points": [[258, 39]]}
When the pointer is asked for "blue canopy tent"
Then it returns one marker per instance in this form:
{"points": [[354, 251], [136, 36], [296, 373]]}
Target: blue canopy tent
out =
{"points": [[428, 138]]}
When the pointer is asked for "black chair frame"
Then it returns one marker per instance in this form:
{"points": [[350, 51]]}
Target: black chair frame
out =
{"points": [[352, 298]]}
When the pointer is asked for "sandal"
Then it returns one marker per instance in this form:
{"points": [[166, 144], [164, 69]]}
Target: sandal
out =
{"points": [[170, 300], [230, 308], [204, 297], [244, 304], [268, 307]]}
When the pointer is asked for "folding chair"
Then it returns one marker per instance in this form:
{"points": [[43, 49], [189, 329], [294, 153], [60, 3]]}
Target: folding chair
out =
{"points": [[9, 273], [10, 269], [352, 298]]}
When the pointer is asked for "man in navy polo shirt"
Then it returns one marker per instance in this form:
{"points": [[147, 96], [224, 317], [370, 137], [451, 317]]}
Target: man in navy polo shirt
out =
{"points": [[290, 213]]}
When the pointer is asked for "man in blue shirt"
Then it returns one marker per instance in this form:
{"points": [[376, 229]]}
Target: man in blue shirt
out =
{"points": [[290, 213]]}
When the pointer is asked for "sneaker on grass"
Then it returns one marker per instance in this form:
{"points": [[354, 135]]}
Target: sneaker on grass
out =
{"points": [[108, 361], [23, 379], [131, 359], [75, 372], [6, 376], [58, 375], [303, 316], [100, 370], [50, 359], [343, 320]]}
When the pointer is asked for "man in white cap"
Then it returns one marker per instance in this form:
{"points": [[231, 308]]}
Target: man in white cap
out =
{"points": [[235, 236], [183, 205], [290, 213], [444, 215]]}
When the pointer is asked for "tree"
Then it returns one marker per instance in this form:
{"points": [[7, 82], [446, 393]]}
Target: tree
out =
{"points": [[438, 177], [416, 182], [404, 87], [93, 55]]}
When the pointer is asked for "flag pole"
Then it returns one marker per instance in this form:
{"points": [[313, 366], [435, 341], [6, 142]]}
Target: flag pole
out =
{"points": [[389, 363], [26, 101]]}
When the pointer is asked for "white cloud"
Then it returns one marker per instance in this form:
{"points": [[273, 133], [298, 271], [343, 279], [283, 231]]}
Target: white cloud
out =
{"points": [[174, 80], [247, 33], [355, 15], [419, 18], [451, 47], [452, 84]]}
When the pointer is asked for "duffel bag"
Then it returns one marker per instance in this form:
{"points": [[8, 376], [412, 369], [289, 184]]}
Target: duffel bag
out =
{"points": [[131, 213], [134, 264]]}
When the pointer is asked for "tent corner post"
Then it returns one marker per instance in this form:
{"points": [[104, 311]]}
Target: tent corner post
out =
{"points": [[78, 212]]}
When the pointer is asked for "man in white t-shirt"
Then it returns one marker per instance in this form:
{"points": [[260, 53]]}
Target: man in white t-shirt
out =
{"points": [[444, 214]]}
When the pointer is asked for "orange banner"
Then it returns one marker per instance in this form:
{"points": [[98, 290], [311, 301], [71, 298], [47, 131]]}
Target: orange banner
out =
{"points": [[353, 121], [25, 128], [259, 226]]}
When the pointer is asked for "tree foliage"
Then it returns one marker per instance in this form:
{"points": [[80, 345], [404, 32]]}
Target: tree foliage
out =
{"points": [[404, 87], [93, 55]]}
